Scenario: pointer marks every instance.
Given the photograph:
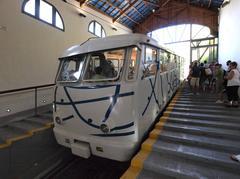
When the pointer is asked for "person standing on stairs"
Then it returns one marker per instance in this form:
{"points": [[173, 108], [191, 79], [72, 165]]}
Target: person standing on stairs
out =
{"points": [[195, 78], [219, 74], [233, 84]]}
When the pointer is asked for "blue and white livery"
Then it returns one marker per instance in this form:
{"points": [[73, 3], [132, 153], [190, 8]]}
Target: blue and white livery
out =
{"points": [[109, 92]]}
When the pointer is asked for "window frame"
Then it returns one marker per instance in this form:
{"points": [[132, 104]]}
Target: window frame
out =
{"points": [[119, 75], [37, 14], [94, 29], [156, 62], [69, 58], [138, 60]]}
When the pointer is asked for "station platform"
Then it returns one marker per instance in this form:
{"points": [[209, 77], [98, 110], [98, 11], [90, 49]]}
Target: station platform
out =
{"points": [[23, 128], [28, 148], [194, 138]]}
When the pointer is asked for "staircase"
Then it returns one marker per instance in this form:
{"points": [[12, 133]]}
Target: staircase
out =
{"points": [[194, 138]]}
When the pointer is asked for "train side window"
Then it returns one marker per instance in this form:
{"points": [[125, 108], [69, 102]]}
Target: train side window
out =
{"points": [[161, 60], [165, 59], [172, 61], [150, 62], [132, 66], [178, 62]]}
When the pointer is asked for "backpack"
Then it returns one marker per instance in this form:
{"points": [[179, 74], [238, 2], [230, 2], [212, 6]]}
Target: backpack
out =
{"points": [[208, 71]]}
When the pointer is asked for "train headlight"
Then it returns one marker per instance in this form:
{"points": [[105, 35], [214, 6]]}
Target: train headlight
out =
{"points": [[58, 120], [104, 128]]}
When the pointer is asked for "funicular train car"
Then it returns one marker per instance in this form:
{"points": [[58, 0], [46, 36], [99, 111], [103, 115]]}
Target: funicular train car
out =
{"points": [[109, 92]]}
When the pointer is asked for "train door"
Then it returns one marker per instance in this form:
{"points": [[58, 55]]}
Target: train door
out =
{"points": [[148, 105]]}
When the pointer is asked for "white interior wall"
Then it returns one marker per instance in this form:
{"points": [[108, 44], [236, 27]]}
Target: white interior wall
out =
{"points": [[229, 39], [29, 49], [229, 28]]}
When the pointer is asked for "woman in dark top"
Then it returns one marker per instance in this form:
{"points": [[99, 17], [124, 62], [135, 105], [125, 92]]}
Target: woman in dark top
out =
{"points": [[195, 74]]}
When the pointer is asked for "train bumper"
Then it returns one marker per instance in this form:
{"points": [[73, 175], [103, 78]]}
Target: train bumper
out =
{"points": [[120, 151]]}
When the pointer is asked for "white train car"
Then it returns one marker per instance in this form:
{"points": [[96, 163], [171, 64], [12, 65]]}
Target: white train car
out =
{"points": [[109, 92]]}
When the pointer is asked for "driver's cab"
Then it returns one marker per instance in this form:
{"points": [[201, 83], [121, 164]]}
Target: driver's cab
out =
{"points": [[102, 66]]}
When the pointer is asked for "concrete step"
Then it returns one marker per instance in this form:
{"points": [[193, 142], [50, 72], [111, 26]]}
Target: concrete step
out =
{"points": [[26, 125], [9, 132], [206, 131], [225, 145], [208, 123], [147, 174], [180, 167], [204, 111], [41, 119], [201, 96], [48, 114], [197, 99], [198, 154], [203, 116], [197, 106], [201, 103]]}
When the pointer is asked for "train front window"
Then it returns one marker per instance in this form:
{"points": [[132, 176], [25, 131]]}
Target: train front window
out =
{"points": [[104, 66], [71, 69]]}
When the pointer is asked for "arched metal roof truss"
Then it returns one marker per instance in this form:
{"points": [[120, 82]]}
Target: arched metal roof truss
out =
{"points": [[135, 14]]}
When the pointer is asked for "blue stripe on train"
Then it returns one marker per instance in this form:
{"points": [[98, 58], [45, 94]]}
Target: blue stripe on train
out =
{"points": [[95, 125], [67, 118], [96, 99], [115, 135]]}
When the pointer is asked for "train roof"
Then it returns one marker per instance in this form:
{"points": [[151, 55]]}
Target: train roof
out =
{"points": [[110, 42]]}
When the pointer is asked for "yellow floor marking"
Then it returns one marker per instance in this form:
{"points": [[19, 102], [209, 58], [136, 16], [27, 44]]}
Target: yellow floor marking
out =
{"points": [[146, 148], [132, 172], [166, 113], [4, 145], [147, 144], [171, 105], [14, 139], [29, 133], [173, 101], [139, 158], [170, 108], [50, 124], [39, 129]]}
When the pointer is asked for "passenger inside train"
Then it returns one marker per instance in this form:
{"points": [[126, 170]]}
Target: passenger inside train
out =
{"points": [[108, 64], [98, 73]]}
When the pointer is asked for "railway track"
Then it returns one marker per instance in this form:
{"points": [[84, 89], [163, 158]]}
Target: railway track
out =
{"points": [[92, 168]]}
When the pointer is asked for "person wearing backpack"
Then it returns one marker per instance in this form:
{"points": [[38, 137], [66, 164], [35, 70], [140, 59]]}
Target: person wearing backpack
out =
{"points": [[195, 78], [208, 73]]}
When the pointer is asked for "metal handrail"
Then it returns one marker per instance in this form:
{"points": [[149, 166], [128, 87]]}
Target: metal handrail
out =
{"points": [[24, 89], [35, 88]]}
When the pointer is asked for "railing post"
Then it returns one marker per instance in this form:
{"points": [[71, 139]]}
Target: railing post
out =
{"points": [[36, 106], [35, 88]]}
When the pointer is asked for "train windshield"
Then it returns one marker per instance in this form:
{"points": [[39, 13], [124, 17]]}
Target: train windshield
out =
{"points": [[104, 65], [71, 69]]}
